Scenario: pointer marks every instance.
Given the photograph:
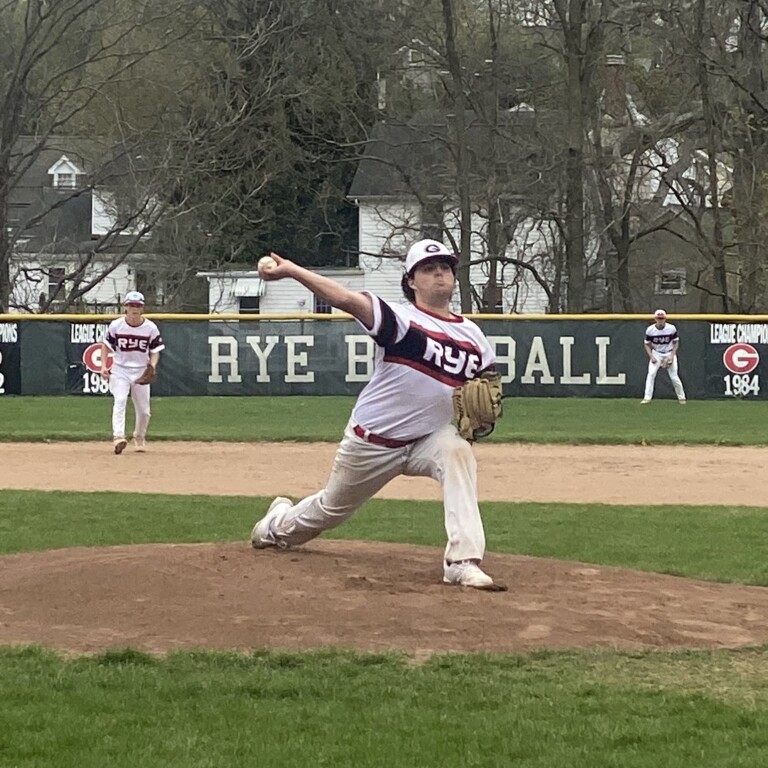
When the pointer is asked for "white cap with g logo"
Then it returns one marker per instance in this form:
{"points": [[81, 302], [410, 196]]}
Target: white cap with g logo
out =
{"points": [[428, 249]]}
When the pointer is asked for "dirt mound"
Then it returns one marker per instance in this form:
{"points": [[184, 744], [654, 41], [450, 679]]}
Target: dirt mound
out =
{"points": [[356, 595]]}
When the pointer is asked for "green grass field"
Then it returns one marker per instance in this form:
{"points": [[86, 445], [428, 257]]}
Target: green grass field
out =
{"points": [[723, 544], [534, 420], [369, 711], [691, 709]]}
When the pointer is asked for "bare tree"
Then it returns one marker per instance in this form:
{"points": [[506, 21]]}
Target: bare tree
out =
{"points": [[713, 59], [61, 64], [747, 74]]}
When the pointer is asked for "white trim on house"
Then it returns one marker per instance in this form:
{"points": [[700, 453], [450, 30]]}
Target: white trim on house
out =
{"points": [[64, 173]]}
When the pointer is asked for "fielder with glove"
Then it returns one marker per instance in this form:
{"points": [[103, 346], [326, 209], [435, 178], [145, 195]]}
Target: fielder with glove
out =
{"points": [[426, 355], [148, 376], [661, 343], [135, 344]]}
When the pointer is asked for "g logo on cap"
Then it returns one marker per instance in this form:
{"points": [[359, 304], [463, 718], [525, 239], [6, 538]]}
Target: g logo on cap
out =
{"points": [[427, 249]]}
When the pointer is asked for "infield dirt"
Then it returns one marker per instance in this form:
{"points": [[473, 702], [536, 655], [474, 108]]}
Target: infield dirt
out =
{"points": [[370, 596]]}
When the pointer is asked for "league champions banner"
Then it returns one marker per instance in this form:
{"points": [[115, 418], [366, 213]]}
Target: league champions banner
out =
{"points": [[736, 360], [83, 357], [10, 359]]}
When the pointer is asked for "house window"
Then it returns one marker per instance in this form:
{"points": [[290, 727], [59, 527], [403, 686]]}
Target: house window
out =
{"points": [[249, 305], [64, 181], [671, 281], [17, 212], [322, 307], [416, 58], [55, 282], [493, 298], [432, 220], [64, 173]]}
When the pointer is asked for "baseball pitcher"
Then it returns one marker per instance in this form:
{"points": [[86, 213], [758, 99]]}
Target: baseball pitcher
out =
{"points": [[401, 423]]}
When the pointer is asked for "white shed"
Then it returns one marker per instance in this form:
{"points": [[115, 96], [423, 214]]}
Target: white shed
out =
{"points": [[244, 292]]}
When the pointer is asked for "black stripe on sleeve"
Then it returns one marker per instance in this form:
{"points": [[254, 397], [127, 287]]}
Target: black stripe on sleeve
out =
{"points": [[388, 327]]}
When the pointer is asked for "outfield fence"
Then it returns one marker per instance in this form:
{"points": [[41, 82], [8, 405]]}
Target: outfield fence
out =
{"points": [[721, 356]]}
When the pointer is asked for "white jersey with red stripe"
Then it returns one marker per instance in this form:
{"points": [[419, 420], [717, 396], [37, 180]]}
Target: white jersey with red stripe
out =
{"points": [[661, 340], [420, 359], [131, 345]]}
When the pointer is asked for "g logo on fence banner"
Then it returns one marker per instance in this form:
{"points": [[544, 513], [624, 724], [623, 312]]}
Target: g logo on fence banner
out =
{"points": [[741, 358], [92, 358], [90, 382]]}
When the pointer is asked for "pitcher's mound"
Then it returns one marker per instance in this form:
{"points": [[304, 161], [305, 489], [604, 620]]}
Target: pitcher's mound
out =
{"points": [[359, 595]]}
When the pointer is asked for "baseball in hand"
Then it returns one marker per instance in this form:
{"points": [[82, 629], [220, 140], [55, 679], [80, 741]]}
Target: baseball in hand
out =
{"points": [[266, 264]]}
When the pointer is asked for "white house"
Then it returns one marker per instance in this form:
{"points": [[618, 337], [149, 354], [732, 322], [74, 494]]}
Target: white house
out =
{"points": [[404, 188], [68, 230]]}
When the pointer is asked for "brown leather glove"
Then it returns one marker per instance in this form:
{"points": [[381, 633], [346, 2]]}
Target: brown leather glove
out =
{"points": [[149, 376], [477, 405]]}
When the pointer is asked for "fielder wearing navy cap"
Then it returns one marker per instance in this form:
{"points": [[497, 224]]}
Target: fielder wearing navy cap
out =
{"points": [[428, 250]]}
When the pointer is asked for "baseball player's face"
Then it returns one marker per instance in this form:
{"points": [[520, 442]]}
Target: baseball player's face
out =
{"points": [[660, 322], [433, 283], [133, 310]]}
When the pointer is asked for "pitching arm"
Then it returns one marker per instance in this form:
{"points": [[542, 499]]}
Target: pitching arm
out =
{"points": [[358, 305]]}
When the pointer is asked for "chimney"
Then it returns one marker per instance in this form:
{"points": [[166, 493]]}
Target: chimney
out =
{"points": [[615, 94]]}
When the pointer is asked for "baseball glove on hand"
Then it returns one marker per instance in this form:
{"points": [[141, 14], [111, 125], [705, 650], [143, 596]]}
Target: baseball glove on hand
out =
{"points": [[149, 376], [477, 405], [666, 362]]}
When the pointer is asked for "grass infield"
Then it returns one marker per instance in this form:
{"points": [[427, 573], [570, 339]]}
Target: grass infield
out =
{"points": [[531, 420]]}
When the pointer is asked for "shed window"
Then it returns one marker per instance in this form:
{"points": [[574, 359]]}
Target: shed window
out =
{"points": [[322, 307], [249, 305]]}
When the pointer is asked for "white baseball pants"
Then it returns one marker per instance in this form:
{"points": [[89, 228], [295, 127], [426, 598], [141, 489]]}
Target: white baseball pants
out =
{"points": [[360, 469], [653, 368], [121, 384]]}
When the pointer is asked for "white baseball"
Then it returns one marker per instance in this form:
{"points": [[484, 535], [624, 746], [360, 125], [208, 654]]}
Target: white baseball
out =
{"points": [[266, 263]]}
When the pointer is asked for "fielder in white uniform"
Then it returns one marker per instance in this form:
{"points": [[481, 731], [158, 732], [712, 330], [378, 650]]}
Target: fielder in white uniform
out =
{"points": [[401, 422], [134, 341], [661, 343]]}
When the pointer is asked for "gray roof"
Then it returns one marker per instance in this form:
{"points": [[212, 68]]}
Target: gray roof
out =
{"points": [[59, 220], [417, 157]]}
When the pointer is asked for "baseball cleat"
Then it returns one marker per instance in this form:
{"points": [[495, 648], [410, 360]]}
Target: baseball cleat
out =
{"points": [[261, 535], [466, 573], [682, 402], [140, 444], [120, 443], [644, 402]]}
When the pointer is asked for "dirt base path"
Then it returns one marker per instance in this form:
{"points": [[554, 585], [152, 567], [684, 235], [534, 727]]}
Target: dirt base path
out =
{"points": [[607, 474], [369, 596]]}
